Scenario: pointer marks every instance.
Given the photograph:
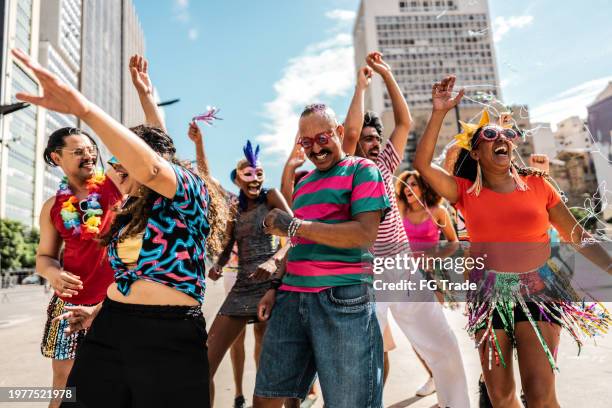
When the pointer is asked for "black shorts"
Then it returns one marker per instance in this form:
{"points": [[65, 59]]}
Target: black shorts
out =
{"points": [[520, 316], [142, 356]]}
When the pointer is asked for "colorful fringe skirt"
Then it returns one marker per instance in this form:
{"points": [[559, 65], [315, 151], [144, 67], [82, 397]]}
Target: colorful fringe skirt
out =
{"points": [[546, 290]]}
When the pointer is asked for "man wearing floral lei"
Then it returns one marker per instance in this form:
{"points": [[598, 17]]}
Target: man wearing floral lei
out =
{"points": [[80, 212]]}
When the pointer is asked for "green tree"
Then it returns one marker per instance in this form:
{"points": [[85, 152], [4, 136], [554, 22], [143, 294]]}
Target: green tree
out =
{"points": [[13, 246], [31, 238]]}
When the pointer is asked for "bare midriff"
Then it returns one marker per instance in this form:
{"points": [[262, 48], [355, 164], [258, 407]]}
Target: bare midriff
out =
{"points": [[144, 292]]}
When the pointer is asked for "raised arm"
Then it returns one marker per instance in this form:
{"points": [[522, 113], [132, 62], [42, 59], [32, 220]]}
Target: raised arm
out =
{"points": [[354, 117], [540, 162], [442, 182], [140, 78], [141, 162], [294, 162], [195, 134], [401, 114]]}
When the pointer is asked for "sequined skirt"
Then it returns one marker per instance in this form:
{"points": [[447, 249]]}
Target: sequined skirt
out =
{"points": [[56, 343]]}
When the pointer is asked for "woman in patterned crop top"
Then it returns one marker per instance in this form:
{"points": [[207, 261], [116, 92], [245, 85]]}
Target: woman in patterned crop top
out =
{"points": [[147, 344], [523, 298]]}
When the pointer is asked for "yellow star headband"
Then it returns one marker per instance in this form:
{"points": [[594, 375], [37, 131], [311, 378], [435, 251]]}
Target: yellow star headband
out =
{"points": [[464, 138]]}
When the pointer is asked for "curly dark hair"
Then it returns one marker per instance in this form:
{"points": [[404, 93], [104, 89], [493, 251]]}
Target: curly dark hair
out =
{"points": [[466, 167], [372, 119], [430, 197], [137, 210], [56, 142]]}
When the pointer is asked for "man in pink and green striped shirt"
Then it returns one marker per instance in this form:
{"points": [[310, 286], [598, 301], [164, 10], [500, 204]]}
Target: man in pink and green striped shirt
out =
{"points": [[323, 320], [353, 186]]}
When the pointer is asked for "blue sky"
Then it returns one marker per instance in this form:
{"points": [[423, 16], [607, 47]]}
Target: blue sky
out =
{"points": [[261, 61]]}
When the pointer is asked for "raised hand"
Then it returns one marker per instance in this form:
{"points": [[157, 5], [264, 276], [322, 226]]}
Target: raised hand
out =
{"points": [[194, 133], [364, 77], [140, 77], [442, 95], [297, 158], [57, 96], [540, 161], [376, 62]]}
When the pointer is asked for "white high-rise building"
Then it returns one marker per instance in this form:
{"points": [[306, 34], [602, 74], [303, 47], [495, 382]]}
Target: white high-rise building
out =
{"points": [[101, 65], [60, 52], [133, 43], [572, 134], [423, 41], [21, 132], [111, 34]]}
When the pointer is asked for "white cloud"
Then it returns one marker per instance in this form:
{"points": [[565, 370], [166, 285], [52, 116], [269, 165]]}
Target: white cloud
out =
{"points": [[571, 102], [341, 15], [324, 70], [338, 40], [182, 13], [502, 25], [181, 10]]}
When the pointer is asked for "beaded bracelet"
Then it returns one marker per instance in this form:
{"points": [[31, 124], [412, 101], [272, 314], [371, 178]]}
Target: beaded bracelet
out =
{"points": [[294, 226]]}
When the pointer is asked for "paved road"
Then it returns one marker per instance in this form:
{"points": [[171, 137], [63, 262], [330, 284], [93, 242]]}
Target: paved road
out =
{"points": [[583, 381]]}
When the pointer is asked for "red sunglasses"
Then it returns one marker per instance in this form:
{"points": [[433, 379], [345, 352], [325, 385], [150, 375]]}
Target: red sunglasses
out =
{"points": [[321, 139], [493, 133]]}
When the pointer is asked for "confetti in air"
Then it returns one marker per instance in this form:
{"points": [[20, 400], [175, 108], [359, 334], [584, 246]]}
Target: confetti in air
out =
{"points": [[209, 116]]}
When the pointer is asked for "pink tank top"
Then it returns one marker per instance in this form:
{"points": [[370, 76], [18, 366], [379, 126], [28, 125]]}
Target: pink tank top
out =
{"points": [[423, 235]]}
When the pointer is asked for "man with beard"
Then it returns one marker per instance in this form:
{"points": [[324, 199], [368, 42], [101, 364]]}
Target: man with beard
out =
{"points": [[321, 315], [80, 212], [420, 317]]}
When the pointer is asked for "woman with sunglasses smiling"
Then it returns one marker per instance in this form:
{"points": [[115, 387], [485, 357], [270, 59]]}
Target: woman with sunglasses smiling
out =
{"points": [[147, 344], [508, 211], [80, 212]]}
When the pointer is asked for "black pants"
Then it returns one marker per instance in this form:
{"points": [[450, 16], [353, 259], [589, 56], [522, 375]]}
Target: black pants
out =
{"points": [[142, 356]]}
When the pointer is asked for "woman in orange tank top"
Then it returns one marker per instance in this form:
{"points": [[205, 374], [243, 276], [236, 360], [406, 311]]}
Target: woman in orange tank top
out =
{"points": [[522, 299]]}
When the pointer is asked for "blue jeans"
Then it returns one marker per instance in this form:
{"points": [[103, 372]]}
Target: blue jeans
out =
{"points": [[333, 333]]}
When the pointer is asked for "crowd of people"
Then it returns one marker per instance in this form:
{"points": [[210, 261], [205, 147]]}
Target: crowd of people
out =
{"points": [[127, 252]]}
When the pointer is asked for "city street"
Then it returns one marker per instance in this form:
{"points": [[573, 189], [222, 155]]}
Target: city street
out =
{"points": [[22, 313]]}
